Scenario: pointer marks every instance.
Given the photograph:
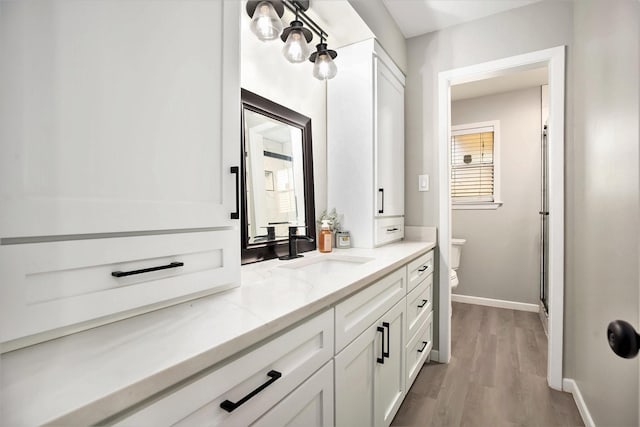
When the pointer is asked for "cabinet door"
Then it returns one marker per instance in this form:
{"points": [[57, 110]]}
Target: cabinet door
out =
{"points": [[354, 382], [118, 116], [310, 405], [390, 376], [389, 142]]}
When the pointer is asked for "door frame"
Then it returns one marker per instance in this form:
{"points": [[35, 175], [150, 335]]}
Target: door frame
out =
{"points": [[554, 59]]}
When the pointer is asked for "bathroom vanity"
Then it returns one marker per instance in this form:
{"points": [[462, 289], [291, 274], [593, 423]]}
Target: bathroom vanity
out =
{"points": [[287, 339]]}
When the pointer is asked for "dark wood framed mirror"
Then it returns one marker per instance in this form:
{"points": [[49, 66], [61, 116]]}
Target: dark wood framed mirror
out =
{"points": [[277, 179]]}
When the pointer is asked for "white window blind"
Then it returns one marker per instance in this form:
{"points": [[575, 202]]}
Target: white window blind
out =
{"points": [[473, 169]]}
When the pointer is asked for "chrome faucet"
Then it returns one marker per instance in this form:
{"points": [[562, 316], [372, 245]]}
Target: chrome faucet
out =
{"points": [[293, 243]]}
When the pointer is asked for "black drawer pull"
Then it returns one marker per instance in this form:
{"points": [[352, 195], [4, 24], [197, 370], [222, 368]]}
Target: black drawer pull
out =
{"points": [[236, 214], [381, 359], [423, 268], [423, 303], [386, 353], [146, 270], [424, 345], [391, 230], [229, 406]]}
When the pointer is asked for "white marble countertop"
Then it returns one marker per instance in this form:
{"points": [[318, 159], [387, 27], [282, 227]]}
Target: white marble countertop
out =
{"points": [[85, 377]]}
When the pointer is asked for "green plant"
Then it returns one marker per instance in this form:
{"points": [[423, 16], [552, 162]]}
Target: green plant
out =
{"points": [[332, 217]]}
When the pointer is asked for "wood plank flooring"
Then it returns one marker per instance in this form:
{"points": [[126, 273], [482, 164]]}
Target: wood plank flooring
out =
{"points": [[497, 376]]}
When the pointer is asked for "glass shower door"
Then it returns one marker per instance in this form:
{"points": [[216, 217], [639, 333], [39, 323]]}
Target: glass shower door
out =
{"points": [[544, 224]]}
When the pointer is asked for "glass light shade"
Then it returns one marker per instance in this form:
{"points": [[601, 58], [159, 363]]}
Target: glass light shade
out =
{"points": [[266, 24], [324, 68], [296, 48]]}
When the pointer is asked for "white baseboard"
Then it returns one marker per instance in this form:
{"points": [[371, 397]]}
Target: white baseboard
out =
{"points": [[435, 356], [499, 303], [570, 386]]}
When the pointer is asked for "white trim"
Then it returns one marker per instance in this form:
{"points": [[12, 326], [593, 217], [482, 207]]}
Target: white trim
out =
{"points": [[435, 357], [475, 206], [570, 386], [554, 58], [499, 303]]}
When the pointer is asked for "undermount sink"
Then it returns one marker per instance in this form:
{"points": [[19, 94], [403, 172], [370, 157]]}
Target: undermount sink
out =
{"points": [[326, 264]]}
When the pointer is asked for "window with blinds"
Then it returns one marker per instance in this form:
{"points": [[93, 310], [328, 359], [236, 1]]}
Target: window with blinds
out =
{"points": [[473, 164]]}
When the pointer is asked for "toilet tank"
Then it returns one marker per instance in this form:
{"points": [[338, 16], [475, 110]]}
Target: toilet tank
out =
{"points": [[456, 248]]}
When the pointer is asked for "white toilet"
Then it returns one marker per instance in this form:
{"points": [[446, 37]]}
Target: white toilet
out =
{"points": [[456, 248]]}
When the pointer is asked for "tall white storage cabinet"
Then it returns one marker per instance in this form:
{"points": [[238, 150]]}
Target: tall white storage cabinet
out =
{"points": [[365, 144], [119, 128]]}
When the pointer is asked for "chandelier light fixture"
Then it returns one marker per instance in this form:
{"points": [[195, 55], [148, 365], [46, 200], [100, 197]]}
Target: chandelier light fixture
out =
{"points": [[265, 18], [266, 24]]}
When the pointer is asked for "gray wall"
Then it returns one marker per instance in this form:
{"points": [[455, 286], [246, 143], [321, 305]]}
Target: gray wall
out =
{"points": [[501, 256], [538, 26], [602, 162], [603, 210], [379, 20]]}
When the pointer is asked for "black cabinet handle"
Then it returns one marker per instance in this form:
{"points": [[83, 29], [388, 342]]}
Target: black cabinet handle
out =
{"points": [[424, 345], [423, 268], [391, 230], [623, 339], [236, 214], [381, 359], [381, 191], [146, 270], [387, 326], [424, 302], [229, 406]]}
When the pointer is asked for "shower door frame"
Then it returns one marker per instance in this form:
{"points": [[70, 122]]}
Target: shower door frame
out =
{"points": [[554, 60]]}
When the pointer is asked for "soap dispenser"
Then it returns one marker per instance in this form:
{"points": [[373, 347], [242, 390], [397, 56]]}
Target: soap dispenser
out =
{"points": [[326, 237]]}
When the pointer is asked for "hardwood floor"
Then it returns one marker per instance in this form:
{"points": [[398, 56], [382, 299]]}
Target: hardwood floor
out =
{"points": [[497, 376]]}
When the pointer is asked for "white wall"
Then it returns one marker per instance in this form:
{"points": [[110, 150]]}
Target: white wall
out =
{"points": [[602, 234], [266, 72], [501, 256]]}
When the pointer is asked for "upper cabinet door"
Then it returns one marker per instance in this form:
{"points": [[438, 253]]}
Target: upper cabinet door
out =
{"points": [[118, 115], [389, 146]]}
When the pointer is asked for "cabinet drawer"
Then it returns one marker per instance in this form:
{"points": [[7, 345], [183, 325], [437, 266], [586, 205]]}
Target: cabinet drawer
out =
{"points": [[310, 405], [418, 350], [46, 286], [295, 355], [361, 310], [388, 230], [419, 305], [419, 268]]}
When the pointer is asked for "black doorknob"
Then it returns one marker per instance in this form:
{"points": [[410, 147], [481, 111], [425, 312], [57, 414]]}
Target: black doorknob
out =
{"points": [[623, 339]]}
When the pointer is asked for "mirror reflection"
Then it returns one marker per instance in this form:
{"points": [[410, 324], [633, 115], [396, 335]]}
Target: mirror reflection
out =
{"points": [[277, 185], [274, 174]]}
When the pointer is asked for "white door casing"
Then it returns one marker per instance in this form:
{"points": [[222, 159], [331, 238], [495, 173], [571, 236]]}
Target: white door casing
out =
{"points": [[554, 59]]}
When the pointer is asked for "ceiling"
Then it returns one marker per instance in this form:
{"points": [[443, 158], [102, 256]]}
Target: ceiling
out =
{"points": [[415, 17], [506, 83]]}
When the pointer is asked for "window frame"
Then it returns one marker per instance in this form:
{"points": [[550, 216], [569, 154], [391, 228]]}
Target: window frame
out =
{"points": [[470, 128]]}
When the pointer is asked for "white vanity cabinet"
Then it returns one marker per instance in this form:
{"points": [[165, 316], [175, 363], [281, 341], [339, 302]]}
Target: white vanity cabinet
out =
{"points": [[365, 144], [242, 391], [370, 371], [117, 157], [419, 315]]}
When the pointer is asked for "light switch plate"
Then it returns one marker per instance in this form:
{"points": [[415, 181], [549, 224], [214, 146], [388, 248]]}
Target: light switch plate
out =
{"points": [[423, 182]]}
